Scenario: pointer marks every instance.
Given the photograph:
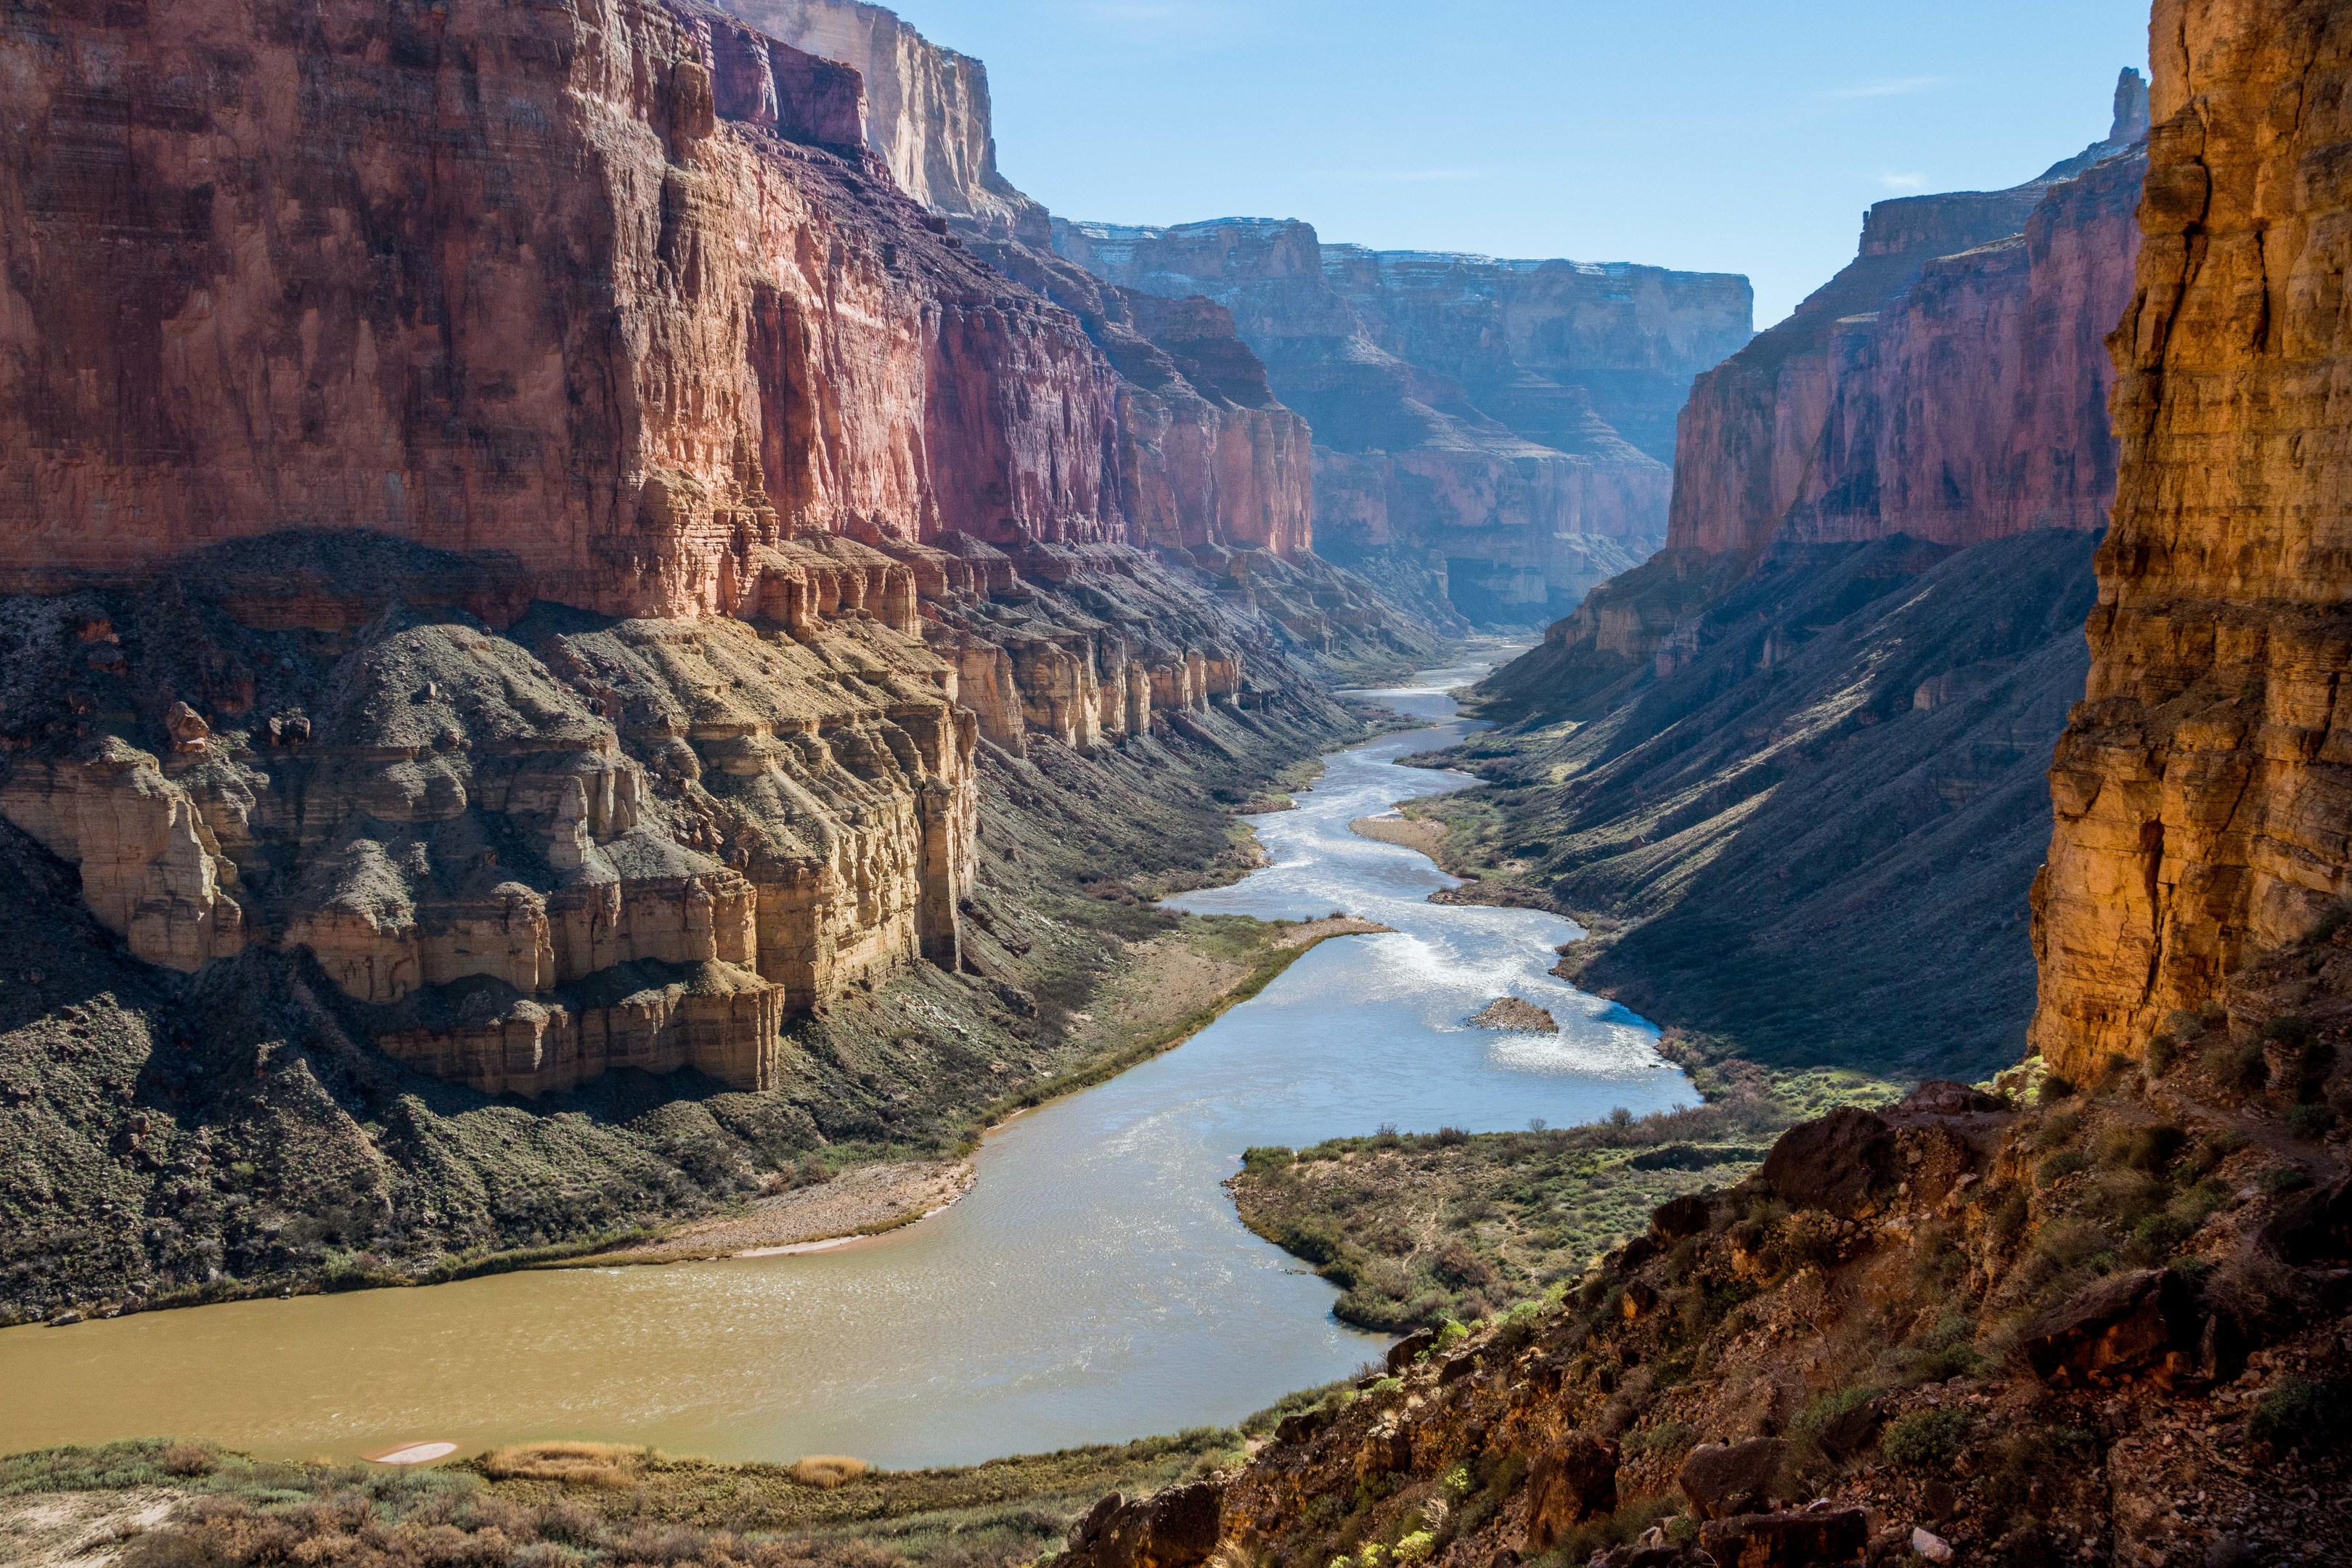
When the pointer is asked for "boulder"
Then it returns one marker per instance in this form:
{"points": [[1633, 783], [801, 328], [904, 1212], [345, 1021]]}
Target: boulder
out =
{"points": [[2132, 1324], [1786, 1539], [1175, 1529], [2316, 1230], [1572, 1482], [1302, 1426], [1721, 1481], [1401, 1353], [1679, 1217], [1851, 1430], [1836, 1163]]}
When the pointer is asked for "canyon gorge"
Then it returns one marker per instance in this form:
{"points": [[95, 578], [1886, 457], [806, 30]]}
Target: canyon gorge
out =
{"points": [[603, 618]]}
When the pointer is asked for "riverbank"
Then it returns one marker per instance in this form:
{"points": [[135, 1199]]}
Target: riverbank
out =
{"points": [[155, 1502], [1169, 989]]}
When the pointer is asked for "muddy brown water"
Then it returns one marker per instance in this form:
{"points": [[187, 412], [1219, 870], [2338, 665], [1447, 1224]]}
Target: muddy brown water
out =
{"points": [[1095, 1286]]}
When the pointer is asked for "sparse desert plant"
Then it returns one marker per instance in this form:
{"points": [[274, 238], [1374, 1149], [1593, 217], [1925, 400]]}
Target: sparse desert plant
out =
{"points": [[2311, 1121], [2245, 1068], [2163, 1050], [828, 1470]]}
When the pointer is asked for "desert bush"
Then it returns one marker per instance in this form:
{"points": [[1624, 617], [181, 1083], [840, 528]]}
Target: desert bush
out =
{"points": [[571, 1463], [2054, 1089], [2245, 1068], [828, 1470], [2149, 1148], [2163, 1050], [2311, 1121], [1802, 1238], [2060, 1166], [1926, 1439], [2303, 1414]]}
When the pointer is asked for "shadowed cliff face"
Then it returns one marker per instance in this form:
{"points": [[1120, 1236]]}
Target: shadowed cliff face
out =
{"points": [[1949, 384], [2200, 791], [1462, 407]]}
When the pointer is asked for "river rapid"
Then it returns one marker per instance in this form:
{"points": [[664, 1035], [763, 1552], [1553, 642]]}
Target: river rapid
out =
{"points": [[1095, 1286]]}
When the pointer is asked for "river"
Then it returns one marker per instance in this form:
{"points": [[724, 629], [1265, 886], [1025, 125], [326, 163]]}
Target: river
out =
{"points": [[1095, 1286]]}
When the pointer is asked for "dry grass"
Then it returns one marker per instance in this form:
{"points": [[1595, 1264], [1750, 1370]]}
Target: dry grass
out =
{"points": [[573, 1464], [829, 1470]]}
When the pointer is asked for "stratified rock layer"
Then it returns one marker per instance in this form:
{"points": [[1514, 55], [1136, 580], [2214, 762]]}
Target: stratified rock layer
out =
{"points": [[1461, 406], [2202, 790]]}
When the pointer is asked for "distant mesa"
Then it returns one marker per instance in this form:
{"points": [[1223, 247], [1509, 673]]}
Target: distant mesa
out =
{"points": [[1512, 1015]]}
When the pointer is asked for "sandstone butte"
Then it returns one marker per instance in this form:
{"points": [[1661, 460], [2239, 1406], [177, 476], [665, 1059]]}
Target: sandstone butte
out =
{"points": [[1950, 384], [1487, 432], [2201, 789], [589, 515]]}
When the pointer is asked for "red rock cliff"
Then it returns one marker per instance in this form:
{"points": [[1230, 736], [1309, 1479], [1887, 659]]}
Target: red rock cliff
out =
{"points": [[613, 293], [2204, 788], [1949, 384]]}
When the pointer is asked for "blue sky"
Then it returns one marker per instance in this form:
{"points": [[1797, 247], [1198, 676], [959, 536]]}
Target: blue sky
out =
{"points": [[1697, 134]]}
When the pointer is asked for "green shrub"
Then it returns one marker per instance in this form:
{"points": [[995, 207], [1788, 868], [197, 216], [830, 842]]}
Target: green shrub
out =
{"points": [[1266, 1158], [2163, 1050], [2241, 1068], [2292, 1029], [2054, 1087], [2148, 1149], [1418, 1547], [1926, 1439], [2311, 1121], [2303, 1414], [2059, 1166]]}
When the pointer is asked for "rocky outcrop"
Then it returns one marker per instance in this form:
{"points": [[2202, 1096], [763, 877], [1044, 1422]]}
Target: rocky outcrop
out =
{"points": [[927, 114], [2201, 791], [716, 324], [1459, 404], [1949, 384], [541, 851]]}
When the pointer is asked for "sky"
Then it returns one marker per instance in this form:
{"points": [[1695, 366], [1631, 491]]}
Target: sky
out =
{"points": [[1719, 135]]}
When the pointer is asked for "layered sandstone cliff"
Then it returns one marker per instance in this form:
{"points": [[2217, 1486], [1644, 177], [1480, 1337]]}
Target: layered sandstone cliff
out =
{"points": [[2202, 791], [714, 324], [1461, 406], [1949, 384]]}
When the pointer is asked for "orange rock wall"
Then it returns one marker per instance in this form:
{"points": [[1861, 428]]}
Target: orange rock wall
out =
{"points": [[2204, 789]]}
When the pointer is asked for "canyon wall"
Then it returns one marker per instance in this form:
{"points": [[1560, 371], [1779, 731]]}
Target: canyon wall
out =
{"points": [[2202, 790], [1948, 384], [313, 523], [714, 324], [1461, 406]]}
